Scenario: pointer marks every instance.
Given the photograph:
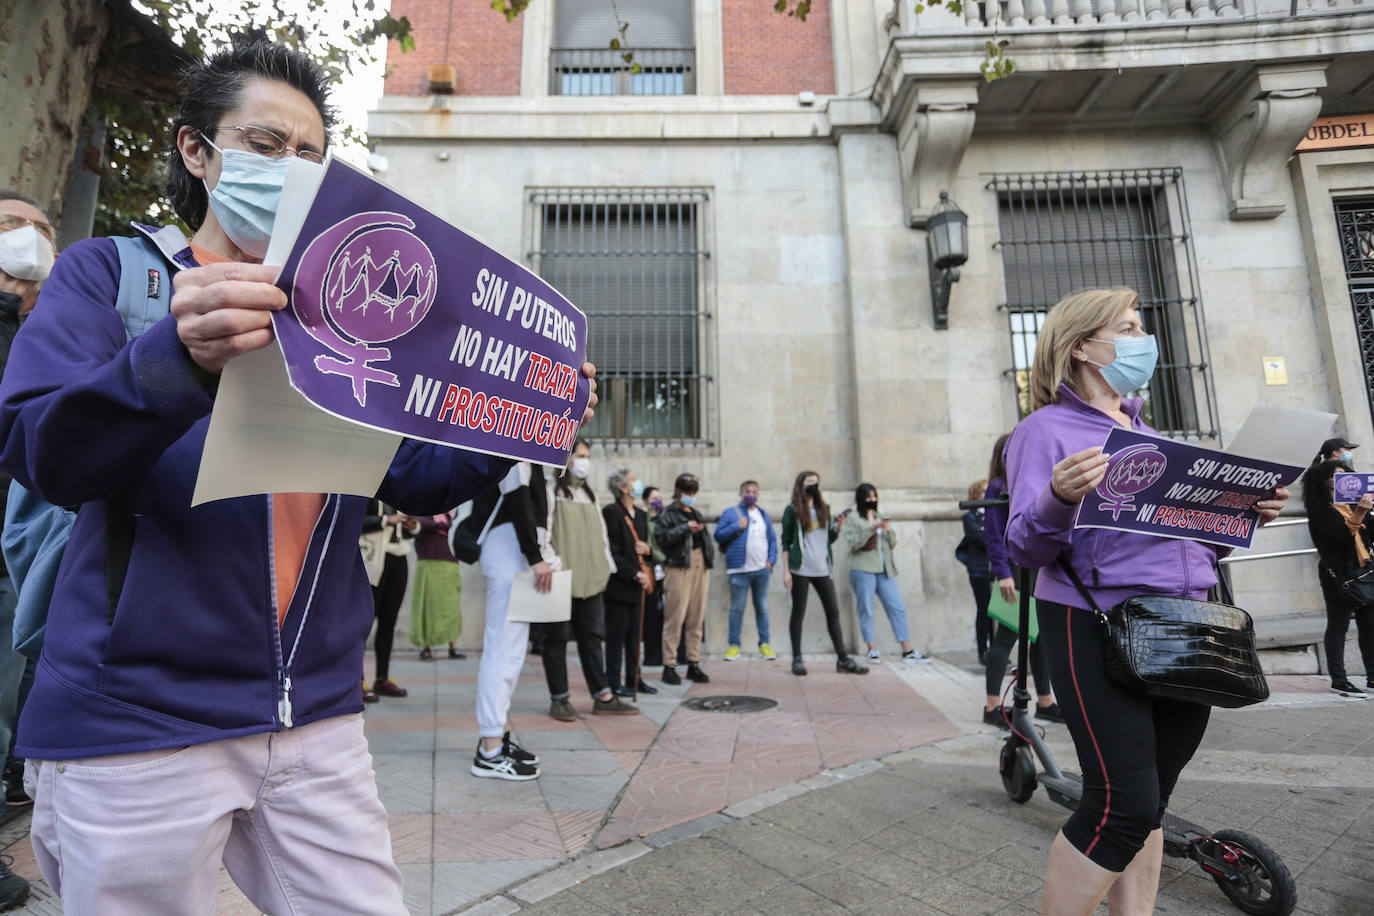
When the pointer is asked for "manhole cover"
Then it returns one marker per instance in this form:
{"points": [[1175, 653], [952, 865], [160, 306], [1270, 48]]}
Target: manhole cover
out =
{"points": [[730, 704]]}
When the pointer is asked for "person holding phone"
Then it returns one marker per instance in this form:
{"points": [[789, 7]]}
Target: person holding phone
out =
{"points": [[681, 533], [808, 530], [873, 571]]}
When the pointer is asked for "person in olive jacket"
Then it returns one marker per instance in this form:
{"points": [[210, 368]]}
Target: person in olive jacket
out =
{"points": [[681, 532]]}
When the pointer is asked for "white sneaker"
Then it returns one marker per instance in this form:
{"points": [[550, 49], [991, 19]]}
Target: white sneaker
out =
{"points": [[874, 657], [915, 658]]}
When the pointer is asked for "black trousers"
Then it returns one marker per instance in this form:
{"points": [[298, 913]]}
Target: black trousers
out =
{"points": [[588, 627], [622, 642], [999, 655], [1130, 749], [825, 590], [982, 623], [1338, 611], [387, 595]]}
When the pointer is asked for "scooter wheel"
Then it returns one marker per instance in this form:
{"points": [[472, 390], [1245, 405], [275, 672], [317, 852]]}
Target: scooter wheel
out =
{"points": [[1268, 888], [1018, 770]]}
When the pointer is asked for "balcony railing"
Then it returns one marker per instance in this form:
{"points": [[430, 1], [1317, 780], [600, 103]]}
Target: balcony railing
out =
{"points": [[600, 71], [1059, 13]]}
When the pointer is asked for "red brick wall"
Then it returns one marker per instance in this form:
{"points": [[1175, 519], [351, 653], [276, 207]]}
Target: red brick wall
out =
{"points": [[771, 54], [482, 47]]}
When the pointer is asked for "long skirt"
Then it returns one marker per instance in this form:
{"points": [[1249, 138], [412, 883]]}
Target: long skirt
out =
{"points": [[436, 616]]}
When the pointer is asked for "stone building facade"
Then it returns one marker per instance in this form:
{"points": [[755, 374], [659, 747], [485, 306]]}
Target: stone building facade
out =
{"points": [[744, 217]]}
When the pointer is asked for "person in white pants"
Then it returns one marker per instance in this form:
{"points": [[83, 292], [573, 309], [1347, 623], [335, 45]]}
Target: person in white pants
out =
{"points": [[515, 540]]}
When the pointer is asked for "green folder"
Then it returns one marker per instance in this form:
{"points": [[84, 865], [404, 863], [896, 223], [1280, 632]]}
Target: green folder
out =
{"points": [[1008, 613]]}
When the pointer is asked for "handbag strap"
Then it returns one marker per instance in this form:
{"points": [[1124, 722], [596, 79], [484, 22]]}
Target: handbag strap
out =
{"points": [[491, 518], [1078, 584]]}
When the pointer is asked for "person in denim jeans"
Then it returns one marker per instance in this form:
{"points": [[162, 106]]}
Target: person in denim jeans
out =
{"points": [[745, 533], [873, 571]]}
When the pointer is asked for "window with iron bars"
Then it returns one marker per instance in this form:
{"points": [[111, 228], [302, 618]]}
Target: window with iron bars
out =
{"points": [[653, 51], [631, 259], [1355, 227], [1061, 232]]}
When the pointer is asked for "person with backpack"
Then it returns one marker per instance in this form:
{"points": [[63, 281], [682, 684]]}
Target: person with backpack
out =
{"points": [[972, 552], [197, 702]]}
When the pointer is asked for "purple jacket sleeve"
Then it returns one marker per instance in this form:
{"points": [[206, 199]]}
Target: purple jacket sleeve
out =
{"points": [[83, 412], [995, 532], [1039, 525]]}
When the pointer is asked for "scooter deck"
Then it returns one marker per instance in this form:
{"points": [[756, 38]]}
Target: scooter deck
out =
{"points": [[1068, 790]]}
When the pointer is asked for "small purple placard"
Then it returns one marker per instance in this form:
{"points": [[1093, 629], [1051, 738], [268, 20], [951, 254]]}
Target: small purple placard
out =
{"points": [[1349, 488], [404, 323], [1170, 489]]}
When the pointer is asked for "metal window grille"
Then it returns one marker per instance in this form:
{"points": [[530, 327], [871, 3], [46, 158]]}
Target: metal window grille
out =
{"points": [[1355, 227], [631, 259], [1065, 231], [657, 40]]}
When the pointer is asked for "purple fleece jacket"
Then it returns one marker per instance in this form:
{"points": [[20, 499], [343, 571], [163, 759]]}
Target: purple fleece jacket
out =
{"points": [[1112, 564], [193, 652]]}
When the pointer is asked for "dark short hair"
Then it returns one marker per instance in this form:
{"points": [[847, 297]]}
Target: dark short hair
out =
{"points": [[748, 483], [686, 483], [12, 194], [212, 87], [648, 490]]}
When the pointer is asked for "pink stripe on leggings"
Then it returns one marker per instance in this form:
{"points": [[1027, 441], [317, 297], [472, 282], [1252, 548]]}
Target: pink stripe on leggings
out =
{"points": [[1073, 674]]}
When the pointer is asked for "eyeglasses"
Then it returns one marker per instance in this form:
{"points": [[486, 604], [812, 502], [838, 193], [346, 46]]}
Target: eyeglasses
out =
{"points": [[264, 142], [8, 222]]}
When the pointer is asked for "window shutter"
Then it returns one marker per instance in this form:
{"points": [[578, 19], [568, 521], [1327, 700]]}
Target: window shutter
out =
{"points": [[652, 23]]}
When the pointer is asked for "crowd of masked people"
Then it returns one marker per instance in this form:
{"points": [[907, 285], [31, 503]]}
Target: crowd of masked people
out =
{"points": [[639, 566]]}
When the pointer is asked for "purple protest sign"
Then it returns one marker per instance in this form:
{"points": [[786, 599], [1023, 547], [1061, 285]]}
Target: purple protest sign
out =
{"points": [[402, 322], [1171, 489], [1349, 488]]}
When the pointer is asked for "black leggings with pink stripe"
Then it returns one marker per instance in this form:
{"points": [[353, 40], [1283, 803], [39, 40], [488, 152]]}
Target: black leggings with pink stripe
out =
{"points": [[1130, 749]]}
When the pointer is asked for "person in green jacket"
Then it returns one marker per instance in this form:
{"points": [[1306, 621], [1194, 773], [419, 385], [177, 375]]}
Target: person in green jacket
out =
{"points": [[873, 570], [808, 530]]}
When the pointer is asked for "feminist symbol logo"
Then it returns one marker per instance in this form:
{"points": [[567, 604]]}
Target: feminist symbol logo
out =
{"points": [[1349, 486], [1134, 469], [378, 281]]}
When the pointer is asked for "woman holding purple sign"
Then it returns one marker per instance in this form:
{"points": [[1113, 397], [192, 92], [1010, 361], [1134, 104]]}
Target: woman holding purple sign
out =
{"points": [[1342, 534], [1091, 353]]}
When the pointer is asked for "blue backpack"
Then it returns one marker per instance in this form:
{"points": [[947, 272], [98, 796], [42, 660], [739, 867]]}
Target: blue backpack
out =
{"points": [[36, 533]]}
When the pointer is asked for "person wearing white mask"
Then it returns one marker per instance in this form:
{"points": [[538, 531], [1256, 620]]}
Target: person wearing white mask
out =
{"points": [[27, 252], [579, 538]]}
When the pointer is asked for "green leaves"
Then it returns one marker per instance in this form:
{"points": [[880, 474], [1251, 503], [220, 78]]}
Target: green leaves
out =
{"points": [[508, 8], [996, 65], [796, 8]]}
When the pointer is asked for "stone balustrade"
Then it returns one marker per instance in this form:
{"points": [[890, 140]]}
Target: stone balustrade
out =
{"points": [[980, 14]]}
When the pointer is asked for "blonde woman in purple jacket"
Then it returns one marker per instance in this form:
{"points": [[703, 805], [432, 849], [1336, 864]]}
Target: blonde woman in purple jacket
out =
{"points": [[1091, 353]]}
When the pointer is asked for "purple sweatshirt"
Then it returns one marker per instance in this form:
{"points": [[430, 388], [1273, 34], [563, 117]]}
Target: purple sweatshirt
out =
{"points": [[1112, 564], [995, 531]]}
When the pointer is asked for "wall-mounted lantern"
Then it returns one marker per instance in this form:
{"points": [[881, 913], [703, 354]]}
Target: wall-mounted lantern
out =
{"points": [[947, 249]]}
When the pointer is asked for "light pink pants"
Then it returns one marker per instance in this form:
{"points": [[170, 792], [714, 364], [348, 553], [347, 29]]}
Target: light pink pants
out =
{"points": [[293, 815]]}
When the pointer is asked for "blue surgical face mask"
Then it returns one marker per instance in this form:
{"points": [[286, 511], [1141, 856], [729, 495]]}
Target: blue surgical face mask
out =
{"points": [[1134, 364], [637, 489], [245, 199], [688, 501]]}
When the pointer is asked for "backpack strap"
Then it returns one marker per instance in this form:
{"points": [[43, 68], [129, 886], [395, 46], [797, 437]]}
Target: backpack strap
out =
{"points": [[145, 298]]}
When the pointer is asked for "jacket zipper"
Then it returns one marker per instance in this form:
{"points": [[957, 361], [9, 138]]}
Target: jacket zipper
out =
{"points": [[283, 682], [305, 615]]}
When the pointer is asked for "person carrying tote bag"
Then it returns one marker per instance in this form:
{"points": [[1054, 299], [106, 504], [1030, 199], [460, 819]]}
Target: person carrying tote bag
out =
{"points": [[1342, 535], [1091, 352]]}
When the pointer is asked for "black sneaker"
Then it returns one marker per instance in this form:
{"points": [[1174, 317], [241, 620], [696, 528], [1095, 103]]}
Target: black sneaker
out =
{"points": [[849, 666], [516, 752], [622, 691], [670, 675], [14, 786], [694, 673], [646, 689], [798, 668], [13, 889], [1049, 713], [996, 717], [502, 767], [1347, 689]]}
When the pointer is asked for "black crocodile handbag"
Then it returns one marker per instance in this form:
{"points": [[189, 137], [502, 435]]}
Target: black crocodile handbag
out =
{"points": [[1180, 649]]}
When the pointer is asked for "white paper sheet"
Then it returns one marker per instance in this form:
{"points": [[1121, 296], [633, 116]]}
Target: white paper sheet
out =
{"points": [[1285, 435], [530, 606], [265, 437]]}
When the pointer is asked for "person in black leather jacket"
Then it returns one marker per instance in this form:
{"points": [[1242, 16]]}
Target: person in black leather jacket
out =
{"points": [[1343, 535], [681, 532]]}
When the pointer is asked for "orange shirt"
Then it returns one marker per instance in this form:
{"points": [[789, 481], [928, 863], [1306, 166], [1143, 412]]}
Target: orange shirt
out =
{"points": [[293, 514]]}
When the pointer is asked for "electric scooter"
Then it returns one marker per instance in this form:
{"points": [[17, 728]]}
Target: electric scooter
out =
{"points": [[1249, 873]]}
